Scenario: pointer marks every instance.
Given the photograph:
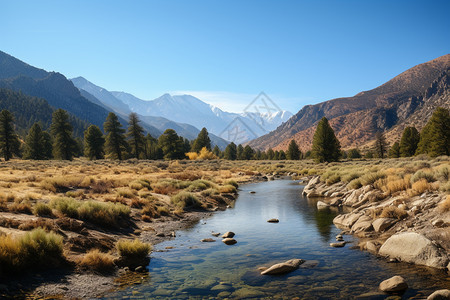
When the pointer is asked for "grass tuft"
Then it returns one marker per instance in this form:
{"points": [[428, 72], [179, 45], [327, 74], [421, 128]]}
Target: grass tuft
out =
{"points": [[133, 249]]}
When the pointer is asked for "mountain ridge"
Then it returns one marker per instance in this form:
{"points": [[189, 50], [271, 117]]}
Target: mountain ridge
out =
{"points": [[362, 115]]}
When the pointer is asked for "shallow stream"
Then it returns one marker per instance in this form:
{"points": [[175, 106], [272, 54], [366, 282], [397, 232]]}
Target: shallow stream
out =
{"points": [[192, 269]]}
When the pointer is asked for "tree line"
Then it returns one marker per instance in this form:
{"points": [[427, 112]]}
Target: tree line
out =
{"points": [[116, 142]]}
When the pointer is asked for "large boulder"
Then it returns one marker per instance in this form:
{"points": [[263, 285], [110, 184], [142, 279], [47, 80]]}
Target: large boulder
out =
{"points": [[346, 221], [440, 295], [414, 248], [382, 224], [282, 268], [353, 197], [396, 284], [364, 223]]}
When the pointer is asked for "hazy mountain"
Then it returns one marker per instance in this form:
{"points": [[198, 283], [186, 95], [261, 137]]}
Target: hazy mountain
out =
{"points": [[388, 108], [59, 92], [191, 110]]}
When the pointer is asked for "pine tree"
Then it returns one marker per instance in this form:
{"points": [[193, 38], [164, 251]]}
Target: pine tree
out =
{"points": [[248, 153], [240, 152], [216, 151], [64, 145], [171, 145], [115, 143], [135, 135], [282, 155], [186, 144], [394, 152], [94, 143], [35, 143], [293, 152], [48, 145], [270, 154], [9, 142], [326, 146], [409, 141], [435, 136], [201, 141], [380, 147], [230, 152]]}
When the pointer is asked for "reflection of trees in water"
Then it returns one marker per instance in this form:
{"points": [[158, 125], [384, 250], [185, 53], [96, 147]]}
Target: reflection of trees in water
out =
{"points": [[324, 220], [321, 218]]}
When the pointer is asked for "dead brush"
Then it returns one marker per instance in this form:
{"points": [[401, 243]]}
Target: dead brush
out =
{"points": [[46, 224], [389, 212], [19, 206], [393, 184], [444, 205], [98, 261]]}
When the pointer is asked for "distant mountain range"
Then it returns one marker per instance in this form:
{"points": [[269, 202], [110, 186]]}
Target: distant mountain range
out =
{"points": [[186, 109], [409, 99]]}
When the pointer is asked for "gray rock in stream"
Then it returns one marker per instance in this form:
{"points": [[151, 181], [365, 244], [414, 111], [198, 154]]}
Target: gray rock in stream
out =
{"points": [[285, 267]]}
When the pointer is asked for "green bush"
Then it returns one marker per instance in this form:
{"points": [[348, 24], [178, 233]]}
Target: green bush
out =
{"points": [[34, 250], [133, 249], [370, 178], [185, 199], [102, 213], [42, 210], [232, 182], [428, 176], [333, 179]]}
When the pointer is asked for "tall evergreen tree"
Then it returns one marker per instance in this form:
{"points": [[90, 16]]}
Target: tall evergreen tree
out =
{"points": [[64, 145], [35, 144], [135, 134], [380, 147], [394, 151], [94, 143], [240, 152], [230, 152], [216, 151], [435, 136], [153, 151], [186, 145], [247, 153], [115, 143], [409, 141], [270, 154], [326, 146], [201, 141], [171, 145], [293, 152], [282, 155], [9, 142], [48, 145]]}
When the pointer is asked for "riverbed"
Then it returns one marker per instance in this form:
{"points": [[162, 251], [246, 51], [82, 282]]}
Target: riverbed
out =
{"points": [[185, 267]]}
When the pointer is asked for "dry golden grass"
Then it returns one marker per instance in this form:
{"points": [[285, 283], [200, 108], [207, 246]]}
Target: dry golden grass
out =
{"points": [[444, 205], [133, 249], [98, 261]]}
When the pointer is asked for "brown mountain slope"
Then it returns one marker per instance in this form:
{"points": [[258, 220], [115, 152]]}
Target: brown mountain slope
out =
{"points": [[356, 119]]}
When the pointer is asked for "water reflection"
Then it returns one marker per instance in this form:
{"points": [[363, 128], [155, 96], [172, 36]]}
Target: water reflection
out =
{"points": [[199, 270]]}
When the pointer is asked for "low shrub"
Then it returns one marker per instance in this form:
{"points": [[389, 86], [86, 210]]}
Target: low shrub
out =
{"points": [[20, 207], [106, 214], [421, 186], [351, 176], [98, 261], [42, 210], [354, 184], [227, 189], [392, 184], [393, 212], [370, 178], [126, 192], [232, 182], [333, 179], [210, 192], [140, 184], [185, 199], [133, 249], [428, 176], [149, 211], [163, 210], [61, 183], [34, 250]]}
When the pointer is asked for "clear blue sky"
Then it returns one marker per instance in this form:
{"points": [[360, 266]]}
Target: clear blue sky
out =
{"points": [[298, 52]]}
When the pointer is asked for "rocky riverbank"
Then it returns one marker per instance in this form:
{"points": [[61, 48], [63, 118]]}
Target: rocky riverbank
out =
{"points": [[410, 229]]}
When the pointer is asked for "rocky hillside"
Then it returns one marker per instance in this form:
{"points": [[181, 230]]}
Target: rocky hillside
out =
{"points": [[403, 100]]}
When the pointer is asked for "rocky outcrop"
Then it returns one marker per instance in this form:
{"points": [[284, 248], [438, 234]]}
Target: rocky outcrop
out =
{"points": [[414, 248], [381, 224], [440, 295], [228, 234], [282, 268], [274, 220], [394, 284]]}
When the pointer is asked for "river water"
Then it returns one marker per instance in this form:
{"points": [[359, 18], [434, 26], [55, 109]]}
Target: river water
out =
{"points": [[192, 269]]}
